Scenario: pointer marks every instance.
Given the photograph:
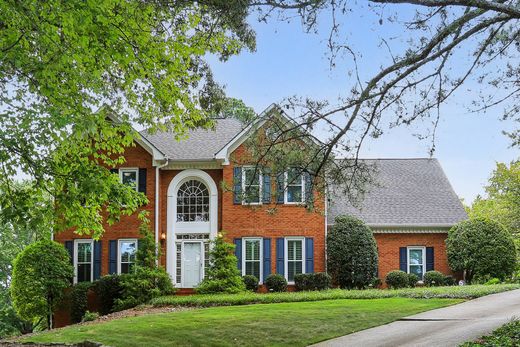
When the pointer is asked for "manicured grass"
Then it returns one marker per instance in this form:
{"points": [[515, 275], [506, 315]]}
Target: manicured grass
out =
{"points": [[458, 292], [294, 324], [506, 335]]}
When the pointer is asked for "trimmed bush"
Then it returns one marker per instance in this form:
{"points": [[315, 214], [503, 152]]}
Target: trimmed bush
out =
{"points": [[108, 289], [223, 275], [351, 253], [312, 281], [450, 280], [321, 280], [141, 286], [41, 272], [481, 248], [276, 283], [303, 282], [397, 279], [434, 279], [90, 316], [375, 283], [78, 301], [412, 280], [251, 282]]}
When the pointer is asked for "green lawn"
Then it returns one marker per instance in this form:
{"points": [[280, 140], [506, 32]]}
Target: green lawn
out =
{"points": [[294, 324]]}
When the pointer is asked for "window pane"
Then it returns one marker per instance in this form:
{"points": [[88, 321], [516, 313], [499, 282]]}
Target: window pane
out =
{"points": [[252, 249], [84, 252], [294, 249], [84, 272], [294, 194], [253, 268], [129, 178], [193, 202], [252, 176], [294, 177], [294, 268], [128, 249], [416, 256], [416, 269], [252, 185]]}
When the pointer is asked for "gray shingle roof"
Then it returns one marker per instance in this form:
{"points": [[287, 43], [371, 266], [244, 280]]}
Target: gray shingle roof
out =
{"points": [[201, 144], [411, 192]]}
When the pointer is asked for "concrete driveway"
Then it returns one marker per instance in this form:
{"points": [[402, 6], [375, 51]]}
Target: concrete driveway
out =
{"points": [[447, 326]]}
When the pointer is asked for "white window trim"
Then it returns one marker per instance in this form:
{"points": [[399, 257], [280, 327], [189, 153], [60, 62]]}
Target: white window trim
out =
{"points": [[244, 239], [260, 185], [119, 252], [286, 256], [131, 169], [286, 189], [76, 243], [410, 248]]}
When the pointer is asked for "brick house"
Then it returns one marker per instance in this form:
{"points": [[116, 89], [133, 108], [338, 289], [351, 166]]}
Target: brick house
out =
{"points": [[187, 182]]}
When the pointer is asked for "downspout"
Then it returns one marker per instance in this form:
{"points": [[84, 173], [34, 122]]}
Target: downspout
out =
{"points": [[157, 209]]}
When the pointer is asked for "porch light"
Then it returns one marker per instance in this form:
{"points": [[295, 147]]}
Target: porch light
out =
{"points": [[163, 236]]}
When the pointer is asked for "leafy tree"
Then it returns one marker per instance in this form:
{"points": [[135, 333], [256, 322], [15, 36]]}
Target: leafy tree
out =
{"points": [[481, 248], [41, 273], [503, 201], [351, 253], [222, 275]]}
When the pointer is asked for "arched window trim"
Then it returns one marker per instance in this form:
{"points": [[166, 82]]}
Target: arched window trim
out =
{"points": [[193, 201]]}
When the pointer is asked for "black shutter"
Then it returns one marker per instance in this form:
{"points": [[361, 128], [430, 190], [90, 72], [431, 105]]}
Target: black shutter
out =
{"points": [[308, 188], [141, 187], [430, 259], [403, 259], [266, 189], [97, 260], [69, 245], [267, 258], [280, 256], [237, 185], [280, 189], [238, 253], [112, 256]]}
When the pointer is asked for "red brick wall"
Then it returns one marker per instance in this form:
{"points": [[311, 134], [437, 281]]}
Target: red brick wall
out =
{"points": [[388, 248], [272, 220], [128, 226]]}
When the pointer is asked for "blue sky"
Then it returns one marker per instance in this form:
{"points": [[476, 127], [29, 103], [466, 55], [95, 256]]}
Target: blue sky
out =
{"points": [[290, 62]]}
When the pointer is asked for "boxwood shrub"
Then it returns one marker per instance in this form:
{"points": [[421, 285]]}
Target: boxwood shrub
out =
{"points": [[434, 279], [108, 289], [276, 283], [397, 279], [79, 301], [312, 281], [412, 280], [251, 282]]}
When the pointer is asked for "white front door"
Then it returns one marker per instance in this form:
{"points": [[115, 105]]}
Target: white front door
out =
{"points": [[192, 263]]}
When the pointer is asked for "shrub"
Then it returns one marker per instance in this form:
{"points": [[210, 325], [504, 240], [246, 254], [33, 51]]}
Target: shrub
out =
{"points": [[303, 282], [434, 279], [397, 279], [41, 272], [375, 283], [223, 275], [322, 280], [141, 286], [480, 247], [351, 253], [450, 281], [251, 282], [78, 301], [89, 316], [493, 281], [412, 280], [312, 281], [276, 283], [108, 289], [147, 252]]}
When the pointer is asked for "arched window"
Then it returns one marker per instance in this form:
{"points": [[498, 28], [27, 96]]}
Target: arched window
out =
{"points": [[193, 202]]}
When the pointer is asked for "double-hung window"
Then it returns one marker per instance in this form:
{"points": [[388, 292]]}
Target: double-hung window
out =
{"points": [[83, 260], [294, 257], [252, 250], [294, 186], [251, 185], [127, 251], [129, 177], [416, 260]]}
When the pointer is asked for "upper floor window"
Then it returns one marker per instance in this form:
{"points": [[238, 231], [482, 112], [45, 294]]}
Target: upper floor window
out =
{"points": [[193, 202], [416, 260], [295, 186], [83, 262], [127, 252], [251, 187], [129, 177]]}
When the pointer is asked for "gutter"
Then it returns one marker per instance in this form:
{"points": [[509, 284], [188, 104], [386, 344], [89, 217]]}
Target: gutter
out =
{"points": [[157, 209]]}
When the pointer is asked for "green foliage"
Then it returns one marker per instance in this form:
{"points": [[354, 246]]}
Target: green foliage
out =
{"points": [[108, 289], [79, 301], [480, 247], [10, 323], [236, 108], [251, 282], [41, 272], [397, 279], [312, 281], [90, 316], [507, 335], [375, 283], [62, 61], [434, 279], [276, 283], [351, 253], [492, 281], [247, 298], [141, 286], [412, 280], [222, 275], [147, 252], [450, 280]]}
